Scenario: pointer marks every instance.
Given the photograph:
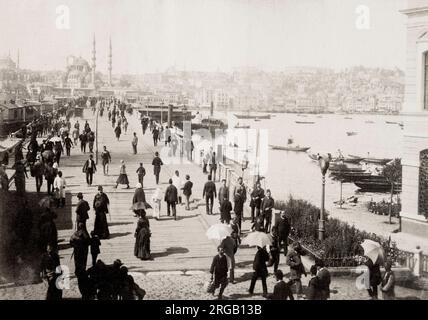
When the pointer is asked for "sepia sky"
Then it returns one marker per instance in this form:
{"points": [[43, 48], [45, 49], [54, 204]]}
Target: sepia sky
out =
{"points": [[205, 35]]}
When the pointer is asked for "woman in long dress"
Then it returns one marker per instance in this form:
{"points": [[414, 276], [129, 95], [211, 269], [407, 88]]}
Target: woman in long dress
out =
{"points": [[139, 204], [142, 240], [123, 177]]}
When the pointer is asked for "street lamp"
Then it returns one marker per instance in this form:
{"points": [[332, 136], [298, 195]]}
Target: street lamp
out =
{"points": [[96, 135], [324, 165]]}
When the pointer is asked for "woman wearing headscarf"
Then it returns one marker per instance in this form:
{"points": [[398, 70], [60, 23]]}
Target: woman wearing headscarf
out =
{"points": [[123, 177], [142, 240]]}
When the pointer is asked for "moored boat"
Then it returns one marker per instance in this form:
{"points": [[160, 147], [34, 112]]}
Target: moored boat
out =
{"points": [[247, 116], [351, 133], [305, 122], [380, 185], [289, 148]]}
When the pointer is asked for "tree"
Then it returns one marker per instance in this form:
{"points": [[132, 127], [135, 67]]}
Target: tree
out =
{"points": [[392, 173]]}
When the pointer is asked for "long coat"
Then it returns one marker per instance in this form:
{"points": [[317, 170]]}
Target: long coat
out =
{"points": [[101, 225], [157, 163], [80, 241], [142, 240]]}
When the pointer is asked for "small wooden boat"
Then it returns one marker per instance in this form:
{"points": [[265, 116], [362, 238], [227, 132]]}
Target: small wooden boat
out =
{"points": [[305, 122], [247, 116], [380, 161], [289, 148], [242, 127], [257, 120], [391, 122], [351, 133], [348, 118], [313, 156], [369, 121]]}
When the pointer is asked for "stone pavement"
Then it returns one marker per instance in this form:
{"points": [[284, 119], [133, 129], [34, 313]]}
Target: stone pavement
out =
{"points": [[190, 286], [182, 253]]}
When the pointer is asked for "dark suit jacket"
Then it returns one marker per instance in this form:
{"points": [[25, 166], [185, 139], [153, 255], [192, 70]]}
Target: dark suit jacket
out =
{"points": [[209, 189], [259, 263], [171, 194], [313, 291], [187, 188], [281, 291], [85, 167], [283, 227]]}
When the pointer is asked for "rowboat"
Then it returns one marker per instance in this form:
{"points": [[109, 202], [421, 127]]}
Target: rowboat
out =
{"points": [[242, 127], [305, 122], [369, 121], [289, 148], [247, 116], [380, 161], [391, 122], [348, 118], [351, 133]]}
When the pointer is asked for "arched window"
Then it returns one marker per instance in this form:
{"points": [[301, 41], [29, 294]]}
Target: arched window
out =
{"points": [[426, 80], [423, 183]]}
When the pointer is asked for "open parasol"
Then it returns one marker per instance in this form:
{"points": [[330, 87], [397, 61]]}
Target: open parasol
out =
{"points": [[257, 238], [374, 251], [55, 139], [219, 231]]}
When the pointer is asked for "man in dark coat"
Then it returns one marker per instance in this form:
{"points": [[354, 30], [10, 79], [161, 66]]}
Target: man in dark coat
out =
{"points": [[80, 241], [260, 269], [37, 171], [281, 290], [239, 197], [313, 292], [209, 193], [157, 163], [230, 246], [375, 278], [324, 279], [83, 139], [141, 172], [48, 233], [68, 144], [171, 198], [267, 207], [218, 272], [82, 209], [256, 201], [89, 168], [100, 205], [187, 191], [50, 271], [283, 229]]}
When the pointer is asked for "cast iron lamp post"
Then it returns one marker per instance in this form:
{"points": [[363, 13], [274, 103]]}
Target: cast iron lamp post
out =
{"points": [[324, 165]]}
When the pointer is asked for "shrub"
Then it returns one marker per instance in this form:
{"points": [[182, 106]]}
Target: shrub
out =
{"points": [[341, 246]]}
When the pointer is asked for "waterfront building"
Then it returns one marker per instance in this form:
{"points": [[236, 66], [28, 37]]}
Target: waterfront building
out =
{"points": [[415, 154]]}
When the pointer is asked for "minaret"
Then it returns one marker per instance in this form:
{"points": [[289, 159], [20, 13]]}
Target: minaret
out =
{"points": [[17, 61], [93, 62], [110, 64]]}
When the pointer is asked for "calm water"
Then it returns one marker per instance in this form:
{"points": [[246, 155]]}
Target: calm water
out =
{"points": [[293, 172]]}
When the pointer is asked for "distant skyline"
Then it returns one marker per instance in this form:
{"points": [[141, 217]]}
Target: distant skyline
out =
{"points": [[205, 35]]}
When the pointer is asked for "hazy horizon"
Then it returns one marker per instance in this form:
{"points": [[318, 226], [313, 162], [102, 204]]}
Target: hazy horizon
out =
{"points": [[205, 35]]}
